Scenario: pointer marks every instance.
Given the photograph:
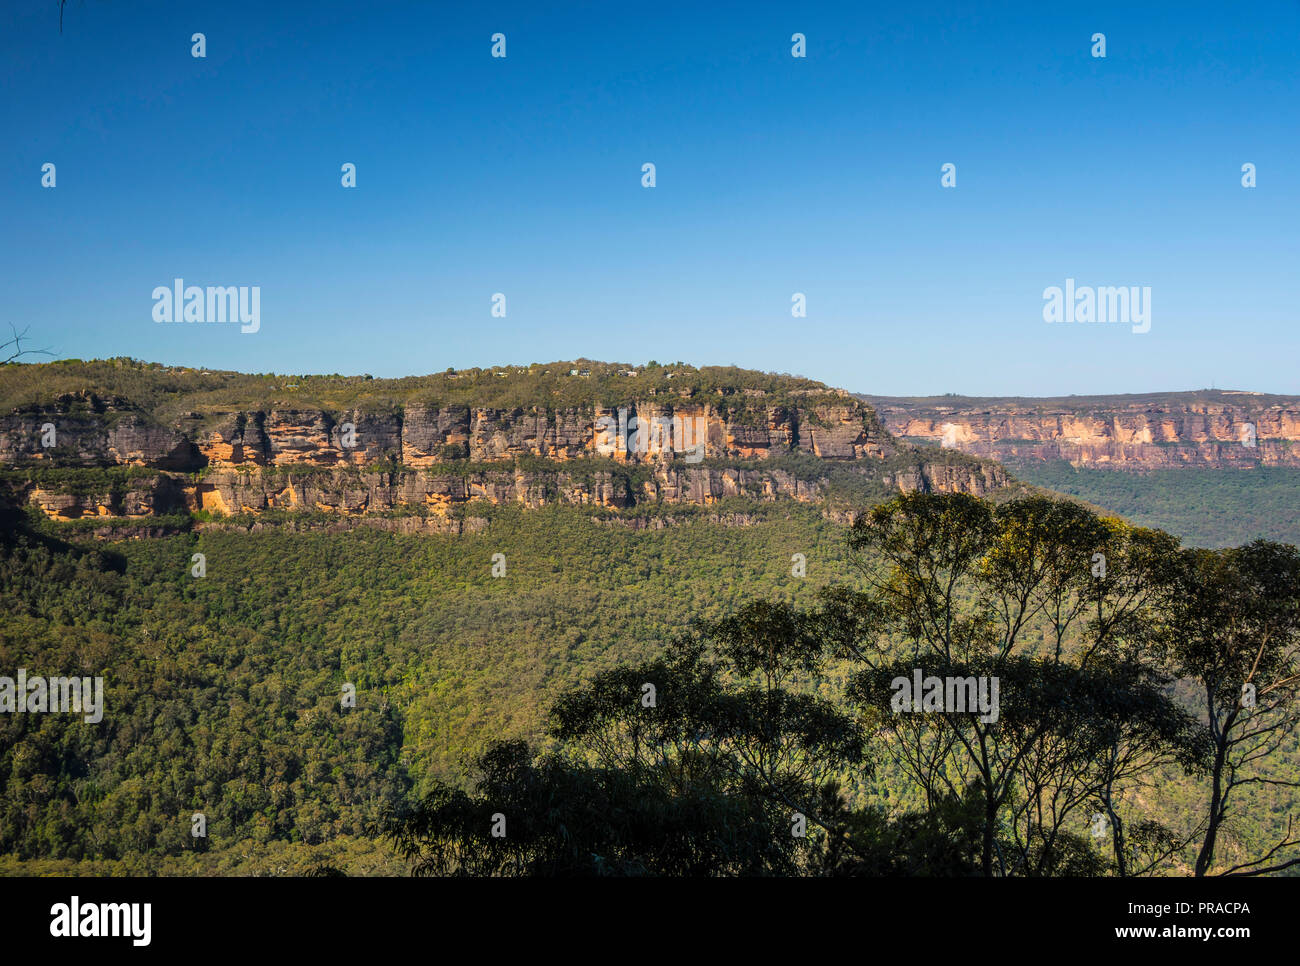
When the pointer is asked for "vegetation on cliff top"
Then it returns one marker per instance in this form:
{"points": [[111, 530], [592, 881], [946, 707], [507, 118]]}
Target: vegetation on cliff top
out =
{"points": [[1082, 405], [171, 393]]}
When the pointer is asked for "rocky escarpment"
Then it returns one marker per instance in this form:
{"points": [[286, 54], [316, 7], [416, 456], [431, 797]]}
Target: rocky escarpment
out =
{"points": [[1208, 429], [85, 454], [90, 431]]}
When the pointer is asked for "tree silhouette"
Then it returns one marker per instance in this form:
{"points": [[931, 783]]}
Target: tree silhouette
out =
{"points": [[753, 744], [15, 347], [1234, 628]]}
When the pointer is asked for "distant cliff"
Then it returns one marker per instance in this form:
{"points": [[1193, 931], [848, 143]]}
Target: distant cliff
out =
{"points": [[120, 438], [1208, 429]]}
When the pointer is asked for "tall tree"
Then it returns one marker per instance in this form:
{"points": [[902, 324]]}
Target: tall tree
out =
{"points": [[1234, 628], [1055, 600]]}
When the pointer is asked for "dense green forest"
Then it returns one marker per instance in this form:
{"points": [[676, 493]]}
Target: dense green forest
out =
{"points": [[224, 696], [224, 692], [1206, 507]]}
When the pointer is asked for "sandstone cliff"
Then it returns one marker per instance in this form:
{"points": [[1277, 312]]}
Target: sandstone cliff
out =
{"points": [[1210, 429], [92, 452]]}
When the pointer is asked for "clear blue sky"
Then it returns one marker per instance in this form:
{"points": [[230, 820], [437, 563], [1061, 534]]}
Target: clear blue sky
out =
{"points": [[775, 175]]}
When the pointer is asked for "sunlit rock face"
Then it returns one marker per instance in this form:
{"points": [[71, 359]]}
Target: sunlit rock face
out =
{"points": [[1210, 430], [431, 459]]}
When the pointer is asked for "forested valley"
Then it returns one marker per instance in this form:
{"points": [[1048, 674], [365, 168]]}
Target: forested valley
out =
{"points": [[499, 682]]}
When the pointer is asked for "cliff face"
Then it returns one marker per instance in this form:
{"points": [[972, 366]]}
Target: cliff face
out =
{"points": [[639, 432], [431, 459], [1210, 430]]}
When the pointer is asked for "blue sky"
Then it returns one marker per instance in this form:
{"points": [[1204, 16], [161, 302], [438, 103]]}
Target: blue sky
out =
{"points": [[775, 175]]}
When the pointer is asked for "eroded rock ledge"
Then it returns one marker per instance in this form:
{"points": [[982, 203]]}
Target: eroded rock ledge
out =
{"points": [[1208, 430], [112, 458]]}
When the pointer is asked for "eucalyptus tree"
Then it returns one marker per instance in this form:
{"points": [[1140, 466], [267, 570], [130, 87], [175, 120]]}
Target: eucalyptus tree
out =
{"points": [[1234, 629], [1057, 604]]}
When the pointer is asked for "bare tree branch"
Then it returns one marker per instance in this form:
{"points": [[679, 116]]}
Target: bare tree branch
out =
{"points": [[18, 350]]}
